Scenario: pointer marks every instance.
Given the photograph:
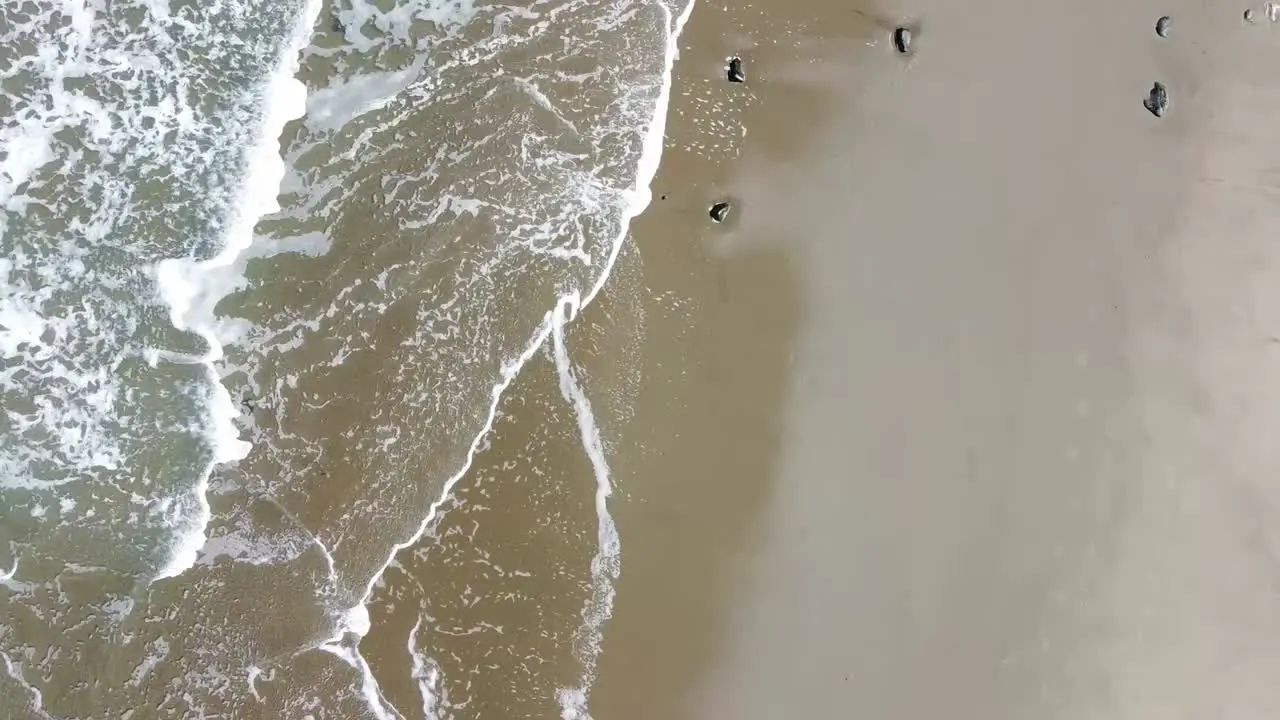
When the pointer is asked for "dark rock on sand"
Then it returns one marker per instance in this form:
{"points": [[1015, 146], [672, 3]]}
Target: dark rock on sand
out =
{"points": [[719, 211], [335, 24], [1157, 100], [1163, 25], [735, 71], [902, 39]]}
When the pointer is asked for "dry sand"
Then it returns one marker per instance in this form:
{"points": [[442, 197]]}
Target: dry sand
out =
{"points": [[966, 412]]}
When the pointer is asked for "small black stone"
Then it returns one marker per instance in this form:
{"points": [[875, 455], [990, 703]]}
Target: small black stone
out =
{"points": [[902, 39], [1163, 25], [664, 197], [1157, 101], [335, 24], [719, 211], [735, 72]]}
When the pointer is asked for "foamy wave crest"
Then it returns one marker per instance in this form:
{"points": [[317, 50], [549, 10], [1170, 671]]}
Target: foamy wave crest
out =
{"points": [[193, 287], [123, 131]]}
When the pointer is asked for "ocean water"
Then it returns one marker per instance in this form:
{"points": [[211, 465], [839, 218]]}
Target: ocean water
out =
{"points": [[266, 270]]}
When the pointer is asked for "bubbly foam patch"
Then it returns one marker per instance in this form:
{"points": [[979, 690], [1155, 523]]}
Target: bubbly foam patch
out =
{"points": [[123, 143], [191, 287], [365, 24], [346, 99]]}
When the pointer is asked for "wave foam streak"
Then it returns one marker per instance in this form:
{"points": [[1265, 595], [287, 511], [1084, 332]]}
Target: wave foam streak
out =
{"points": [[607, 562], [192, 287]]}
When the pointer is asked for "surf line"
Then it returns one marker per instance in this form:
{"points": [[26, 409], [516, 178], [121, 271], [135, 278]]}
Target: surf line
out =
{"points": [[355, 620], [192, 288]]}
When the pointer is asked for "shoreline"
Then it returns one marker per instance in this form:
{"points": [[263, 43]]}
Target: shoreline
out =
{"points": [[897, 413]]}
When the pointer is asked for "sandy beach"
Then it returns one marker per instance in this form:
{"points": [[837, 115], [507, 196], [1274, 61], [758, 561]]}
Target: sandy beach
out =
{"points": [[962, 406], [964, 412]]}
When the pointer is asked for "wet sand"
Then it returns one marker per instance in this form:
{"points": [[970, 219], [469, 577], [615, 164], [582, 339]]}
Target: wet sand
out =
{"points": [[965, 410]]}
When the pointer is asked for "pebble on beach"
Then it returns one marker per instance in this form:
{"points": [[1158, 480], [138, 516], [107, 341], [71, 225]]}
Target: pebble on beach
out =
{"points": [[1248, 15], [902, 39], [719, 211], [1157, 100], [735, 71], [1163, 25]]}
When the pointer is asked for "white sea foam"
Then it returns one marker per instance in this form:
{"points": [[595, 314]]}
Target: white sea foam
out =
{"points": [[104, 166], [71, 430], [26, 149], [192, 288], [159, 651], [332, 107], [606, 564], [313, 244], [251, 679], [397, 21], [15, 673], [424, 673], [346, 650], [345, 645], [20, 323]]}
